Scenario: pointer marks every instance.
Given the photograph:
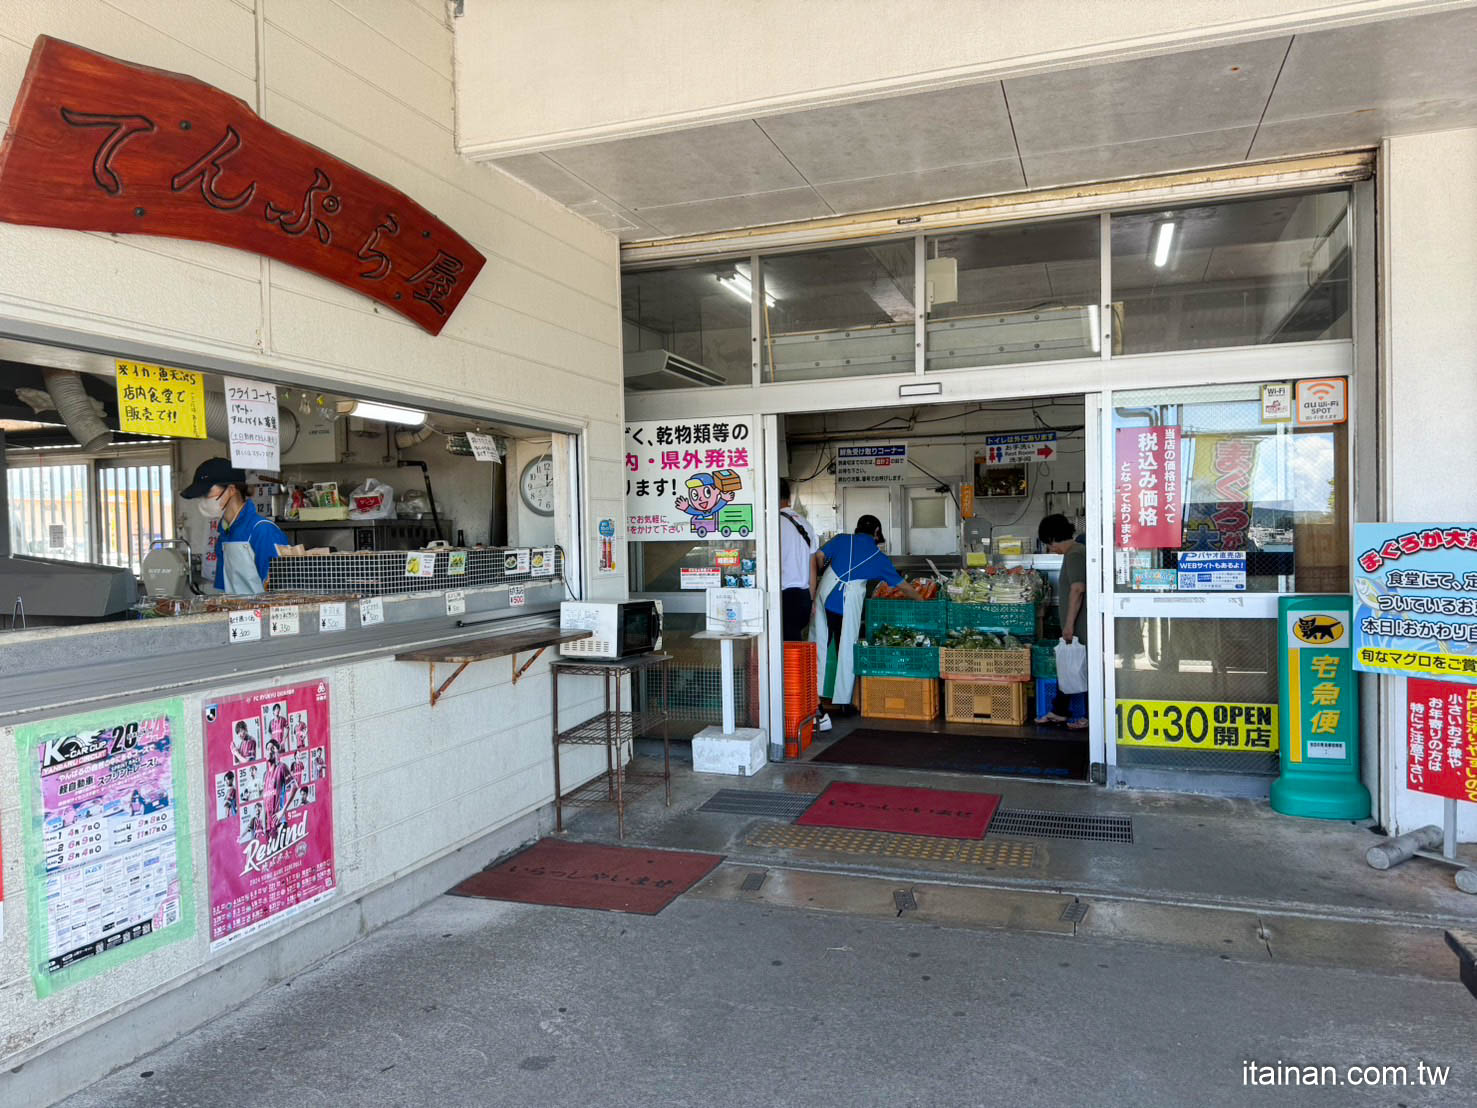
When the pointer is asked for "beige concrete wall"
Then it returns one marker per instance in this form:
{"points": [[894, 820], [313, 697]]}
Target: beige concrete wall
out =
{"points": [[540, 74], [1429, 406]]}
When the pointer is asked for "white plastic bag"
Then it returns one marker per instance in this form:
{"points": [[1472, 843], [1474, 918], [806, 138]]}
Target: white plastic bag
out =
{"points": [[1071, 668], [372, 500]]}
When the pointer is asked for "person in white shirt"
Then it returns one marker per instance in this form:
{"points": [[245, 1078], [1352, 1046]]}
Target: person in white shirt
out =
{"points": [[799, 568]]}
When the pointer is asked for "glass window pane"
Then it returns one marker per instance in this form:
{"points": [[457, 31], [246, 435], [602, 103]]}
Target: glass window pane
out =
{"points": [[49, 512], [1235, 274], [687, 327], [657, 566], [838, 313], [1197, 694], [1208, 498], [1013, 294]]}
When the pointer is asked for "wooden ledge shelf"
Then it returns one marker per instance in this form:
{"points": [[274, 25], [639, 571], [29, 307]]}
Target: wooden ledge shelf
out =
{"points": [[464, 652]]}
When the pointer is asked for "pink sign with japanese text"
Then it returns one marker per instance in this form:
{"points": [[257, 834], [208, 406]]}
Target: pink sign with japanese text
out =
{"points": [[268, 776], [1150, 497]]}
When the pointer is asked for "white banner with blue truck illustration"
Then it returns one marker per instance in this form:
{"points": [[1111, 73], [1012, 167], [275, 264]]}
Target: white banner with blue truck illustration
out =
{"points": [[690, 479]]}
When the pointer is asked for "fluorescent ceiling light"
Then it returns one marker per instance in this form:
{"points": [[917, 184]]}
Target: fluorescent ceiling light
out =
{"points": [[1094, 330], [1164, 237], [386, 413], [739, 284]]}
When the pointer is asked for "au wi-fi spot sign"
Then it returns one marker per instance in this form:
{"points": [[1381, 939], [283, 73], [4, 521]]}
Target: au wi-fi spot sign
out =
{"points": [[1322, 401]]}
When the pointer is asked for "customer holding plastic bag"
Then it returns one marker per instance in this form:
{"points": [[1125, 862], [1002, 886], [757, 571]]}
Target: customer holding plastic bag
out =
{"points": [[1059, 536]]}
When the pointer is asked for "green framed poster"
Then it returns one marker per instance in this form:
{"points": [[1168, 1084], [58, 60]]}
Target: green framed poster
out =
{"points": [[107, 846]]}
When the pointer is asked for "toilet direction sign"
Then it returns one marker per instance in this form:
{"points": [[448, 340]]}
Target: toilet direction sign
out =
{"points": [[1020, 447]]}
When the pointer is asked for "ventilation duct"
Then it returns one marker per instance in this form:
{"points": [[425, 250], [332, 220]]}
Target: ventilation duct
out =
{"points": [[76, 409], [648, 370]]}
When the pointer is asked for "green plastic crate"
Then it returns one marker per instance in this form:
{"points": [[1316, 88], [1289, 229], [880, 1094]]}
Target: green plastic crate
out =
{"points": [[914, 615], [1043, 659], [896, 661], [1016, 619]]}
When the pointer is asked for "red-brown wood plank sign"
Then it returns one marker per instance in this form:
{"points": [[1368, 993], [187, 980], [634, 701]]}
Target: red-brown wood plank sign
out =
{"points": [[98, 144]]}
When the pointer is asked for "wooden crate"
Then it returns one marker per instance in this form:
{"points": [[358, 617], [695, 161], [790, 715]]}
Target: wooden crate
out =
{"points": [[900, 698], [973, 664], [998, 701]]}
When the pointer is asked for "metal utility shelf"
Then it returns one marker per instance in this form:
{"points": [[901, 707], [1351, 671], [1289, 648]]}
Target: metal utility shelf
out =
{"points": [[464, 652]]}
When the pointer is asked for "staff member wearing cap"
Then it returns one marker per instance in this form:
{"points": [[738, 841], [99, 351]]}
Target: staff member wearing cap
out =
{"points": [[247, 542], [855, 560]]}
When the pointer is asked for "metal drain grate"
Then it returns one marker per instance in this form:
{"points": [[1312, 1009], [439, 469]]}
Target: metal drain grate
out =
{"points": [[753, 882], [1027, 824], [914, 848], [752, 802], [1075, 912]]}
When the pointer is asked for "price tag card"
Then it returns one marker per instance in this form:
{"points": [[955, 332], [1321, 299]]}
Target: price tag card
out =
{"points": [[456, 602], [371, 611], [456, 563], [484, 447], [515, 596], [284, 620], [419, 563], [542, 562], [333, 617], [515, 561], [246, 626]]}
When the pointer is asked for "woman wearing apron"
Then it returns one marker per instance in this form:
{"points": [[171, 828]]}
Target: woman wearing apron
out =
{"points": [[248, 542], [854, 559]]}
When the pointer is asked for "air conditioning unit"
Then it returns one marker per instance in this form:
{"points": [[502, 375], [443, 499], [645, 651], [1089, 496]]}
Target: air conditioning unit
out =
{"points": [[649, 370]]}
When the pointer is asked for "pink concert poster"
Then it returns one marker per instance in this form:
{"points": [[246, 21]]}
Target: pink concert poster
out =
{"points": [[268, 769]]}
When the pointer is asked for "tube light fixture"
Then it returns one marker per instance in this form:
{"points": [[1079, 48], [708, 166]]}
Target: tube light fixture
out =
{"points": [[385, 413], [1094, 329], [1163, 238], [739, 284]]}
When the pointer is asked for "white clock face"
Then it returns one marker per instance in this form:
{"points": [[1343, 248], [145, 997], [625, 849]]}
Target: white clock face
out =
{"points": [[537, 485]]}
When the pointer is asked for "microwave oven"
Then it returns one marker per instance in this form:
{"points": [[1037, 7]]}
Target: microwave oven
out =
{"points": [[618, 629]]}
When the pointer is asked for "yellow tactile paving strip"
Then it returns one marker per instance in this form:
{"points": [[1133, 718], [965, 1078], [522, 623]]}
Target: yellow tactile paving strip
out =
{"points": [[921, 848]]}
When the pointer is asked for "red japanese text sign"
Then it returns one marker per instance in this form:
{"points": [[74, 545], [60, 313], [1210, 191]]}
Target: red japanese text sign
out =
{"points": [[98, 144], [1149, 497], [1441, 738]]}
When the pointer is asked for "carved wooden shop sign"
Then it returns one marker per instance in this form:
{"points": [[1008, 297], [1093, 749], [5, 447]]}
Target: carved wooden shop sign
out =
{"points": [[98, 144]]}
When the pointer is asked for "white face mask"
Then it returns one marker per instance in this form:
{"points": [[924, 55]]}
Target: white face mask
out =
{"points": [[210, 507]]}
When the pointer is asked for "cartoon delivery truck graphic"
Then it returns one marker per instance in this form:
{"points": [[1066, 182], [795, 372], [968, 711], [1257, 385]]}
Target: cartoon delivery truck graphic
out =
{"points": [[709, 501]]}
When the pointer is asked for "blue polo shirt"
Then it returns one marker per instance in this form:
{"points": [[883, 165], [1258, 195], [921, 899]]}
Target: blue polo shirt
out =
{"points": [[856, 558], [258, 532]]}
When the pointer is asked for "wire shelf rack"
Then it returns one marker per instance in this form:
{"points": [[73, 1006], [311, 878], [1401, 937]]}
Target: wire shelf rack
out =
{"points": [[398, 572]]}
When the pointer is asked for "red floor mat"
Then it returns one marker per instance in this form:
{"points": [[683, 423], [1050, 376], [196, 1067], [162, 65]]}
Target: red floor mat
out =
{"points": [[944, 815], [588, 875]]}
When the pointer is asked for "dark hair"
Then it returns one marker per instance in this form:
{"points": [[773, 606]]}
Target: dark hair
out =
{"points": [[241, 726], [868, 525], [1056, 528], [784, 488]]}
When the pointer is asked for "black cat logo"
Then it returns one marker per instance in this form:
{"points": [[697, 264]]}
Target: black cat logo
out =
{"points": [[1319, 629]]}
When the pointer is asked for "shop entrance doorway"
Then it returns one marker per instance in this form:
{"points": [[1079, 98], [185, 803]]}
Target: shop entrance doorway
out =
{"points": [[964, 680]]}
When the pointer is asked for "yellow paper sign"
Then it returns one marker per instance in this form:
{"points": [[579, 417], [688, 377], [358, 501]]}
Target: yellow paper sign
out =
{"points": [[1198, 725], [1413, 661], [157, 400]]}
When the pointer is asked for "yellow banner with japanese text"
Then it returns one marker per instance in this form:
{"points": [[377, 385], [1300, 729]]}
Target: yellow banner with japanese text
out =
{"points": [[1198, 725], [1416, 661], [158, 400]]}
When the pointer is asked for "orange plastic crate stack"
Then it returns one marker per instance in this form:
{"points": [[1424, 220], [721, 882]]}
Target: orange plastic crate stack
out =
{"points": [[802, 696]]}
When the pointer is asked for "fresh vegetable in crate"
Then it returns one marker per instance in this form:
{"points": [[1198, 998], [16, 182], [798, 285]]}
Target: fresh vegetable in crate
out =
{"points": [[960, 639], [928, 589], [896, 636], [996, 585]]}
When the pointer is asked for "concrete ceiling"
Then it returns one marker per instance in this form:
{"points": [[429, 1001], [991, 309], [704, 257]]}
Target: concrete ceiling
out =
{"points": [[1277, 97]]}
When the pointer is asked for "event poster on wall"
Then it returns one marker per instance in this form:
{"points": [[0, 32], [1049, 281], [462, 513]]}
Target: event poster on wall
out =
{"points": [[268, 773], [106, 839]]}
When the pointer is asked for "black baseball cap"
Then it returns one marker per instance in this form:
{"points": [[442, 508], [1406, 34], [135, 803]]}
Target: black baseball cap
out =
{"points": [[215, 471]]}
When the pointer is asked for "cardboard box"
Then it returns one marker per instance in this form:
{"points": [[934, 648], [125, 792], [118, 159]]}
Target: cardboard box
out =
{"points": [[726, 480], [742, 754]]}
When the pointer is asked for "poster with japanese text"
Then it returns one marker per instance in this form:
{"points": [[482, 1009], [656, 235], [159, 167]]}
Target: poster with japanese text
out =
{"points": [[1441, 738], [1415, 596], [251, 413], [103, 807], [1218, 510], [157, 400], [690, 479], [268, 778], [1149, 495]]}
